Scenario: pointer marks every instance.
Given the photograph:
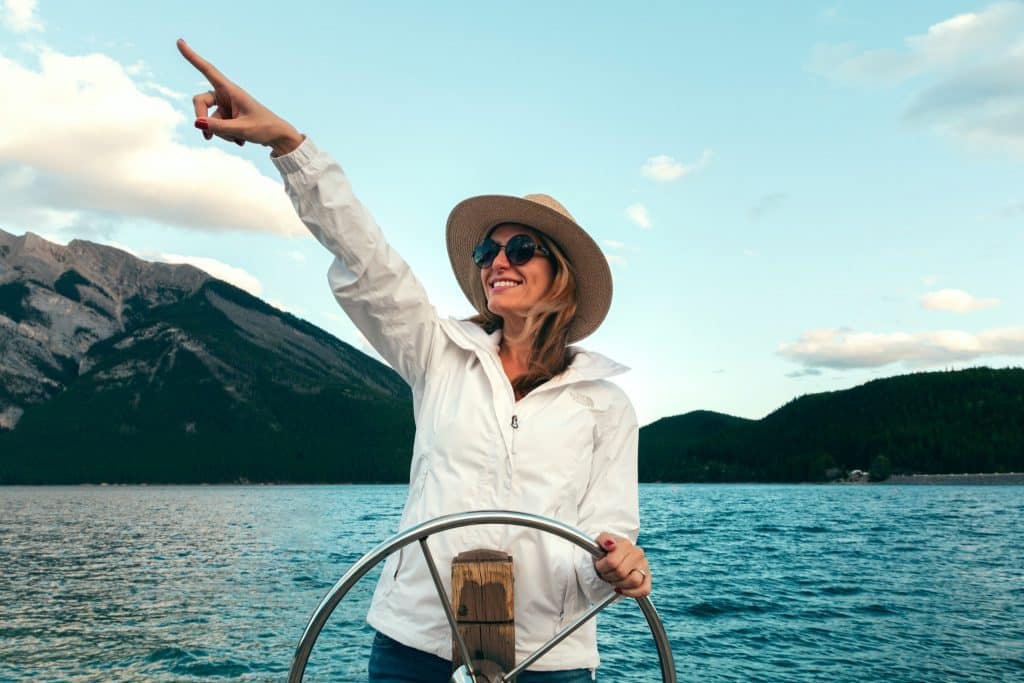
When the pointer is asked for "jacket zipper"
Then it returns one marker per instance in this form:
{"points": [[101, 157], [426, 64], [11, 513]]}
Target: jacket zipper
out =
{"points": [[515, 428]]}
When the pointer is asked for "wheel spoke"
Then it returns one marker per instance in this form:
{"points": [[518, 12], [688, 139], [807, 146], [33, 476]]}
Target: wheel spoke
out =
{"points": [[443, 594], [560, 636]]}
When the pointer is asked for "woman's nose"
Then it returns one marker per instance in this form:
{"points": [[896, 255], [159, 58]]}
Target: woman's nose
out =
{"points": [[501, 260]]}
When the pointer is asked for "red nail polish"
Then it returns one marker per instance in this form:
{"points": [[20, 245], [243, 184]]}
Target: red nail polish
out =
{"points": [[202, 124], [619, 591], [208, 135], [609, 544]]}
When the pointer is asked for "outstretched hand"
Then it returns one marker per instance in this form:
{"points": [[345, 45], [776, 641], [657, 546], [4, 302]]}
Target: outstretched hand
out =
{"points": [[624, 566], [237, 116]]}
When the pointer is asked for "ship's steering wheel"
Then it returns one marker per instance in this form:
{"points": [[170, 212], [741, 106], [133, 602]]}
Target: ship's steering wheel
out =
{"points": [[468, 672]]}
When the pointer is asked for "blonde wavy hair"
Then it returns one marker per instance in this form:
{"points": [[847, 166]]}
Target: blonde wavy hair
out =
{"points": [[547, 323]]}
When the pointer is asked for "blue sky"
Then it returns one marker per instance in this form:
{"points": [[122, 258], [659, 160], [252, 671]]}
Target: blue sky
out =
{"points": [[794, 197]]}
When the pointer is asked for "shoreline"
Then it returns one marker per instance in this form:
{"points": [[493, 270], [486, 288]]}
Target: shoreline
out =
{"points": [[983, 479], [968, 479]]}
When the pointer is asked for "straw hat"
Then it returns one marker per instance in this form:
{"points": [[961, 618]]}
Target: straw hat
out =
{"points": [[472, 219]]}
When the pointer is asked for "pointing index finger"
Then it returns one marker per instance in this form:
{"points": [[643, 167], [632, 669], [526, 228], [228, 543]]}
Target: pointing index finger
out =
{"points": [[214, 76]]}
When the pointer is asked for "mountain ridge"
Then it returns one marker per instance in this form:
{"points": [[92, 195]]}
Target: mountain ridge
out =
{"points": [[115, 369], [118, 370], [968, 420]]}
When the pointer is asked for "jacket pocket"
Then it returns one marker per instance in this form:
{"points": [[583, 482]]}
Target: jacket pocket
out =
{"points": [[398, 568], [570, 606], [412, 505], [566, 572], [564, 613], [392, 565]]}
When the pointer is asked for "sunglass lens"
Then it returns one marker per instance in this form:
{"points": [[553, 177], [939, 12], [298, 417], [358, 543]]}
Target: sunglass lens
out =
{"points": [[485, 252], [519, 249]]}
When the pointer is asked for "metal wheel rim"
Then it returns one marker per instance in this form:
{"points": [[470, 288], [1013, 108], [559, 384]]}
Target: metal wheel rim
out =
{"points": [[454, 521]]}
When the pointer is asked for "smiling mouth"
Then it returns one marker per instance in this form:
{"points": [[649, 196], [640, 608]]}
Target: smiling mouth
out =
{"points": [[496, 285]]}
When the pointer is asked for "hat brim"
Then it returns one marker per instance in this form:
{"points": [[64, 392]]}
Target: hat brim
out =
{"points": [[473, 218]]}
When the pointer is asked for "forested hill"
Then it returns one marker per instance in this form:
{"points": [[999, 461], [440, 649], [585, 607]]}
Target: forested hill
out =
{"points": [[935, 422]]}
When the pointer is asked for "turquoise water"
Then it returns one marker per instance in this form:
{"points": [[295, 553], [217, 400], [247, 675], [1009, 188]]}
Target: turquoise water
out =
{"points": [[775, 583]]}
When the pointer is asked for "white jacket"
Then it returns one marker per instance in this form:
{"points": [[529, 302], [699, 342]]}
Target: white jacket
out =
{"points": [[567, 450]]}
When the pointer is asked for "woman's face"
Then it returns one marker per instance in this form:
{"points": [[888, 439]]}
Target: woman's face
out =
{"points": [[512, 290]]}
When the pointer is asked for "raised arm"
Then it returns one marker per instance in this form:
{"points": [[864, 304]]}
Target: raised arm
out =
{"points": [[370, 280]]}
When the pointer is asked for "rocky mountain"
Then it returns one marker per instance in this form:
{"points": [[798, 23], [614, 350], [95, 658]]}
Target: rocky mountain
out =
{"points": [[56, 302], [116, 369]]}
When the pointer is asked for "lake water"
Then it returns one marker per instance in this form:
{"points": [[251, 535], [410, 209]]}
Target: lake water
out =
{"points": [[771, 583]]}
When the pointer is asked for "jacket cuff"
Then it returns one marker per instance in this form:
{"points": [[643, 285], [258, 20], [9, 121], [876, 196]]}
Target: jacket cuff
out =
{"points": [[296, 159], [594, 587]]}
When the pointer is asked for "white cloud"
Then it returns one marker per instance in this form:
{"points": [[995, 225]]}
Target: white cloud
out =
{"points": [[663, 168], [930, 280], [297, 256], [804, 372], [982, 106], [234, 275], [41, 219], [165, 91], [222, 271], [846, 349], [972, 65], [20, 16], [28, 217], [955, 300], [96, 142], [639, 215], [966, 35], [947, 44], [614, 244]]}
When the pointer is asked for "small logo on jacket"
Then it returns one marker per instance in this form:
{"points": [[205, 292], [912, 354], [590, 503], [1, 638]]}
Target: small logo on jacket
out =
{"points": [[582, 399]]}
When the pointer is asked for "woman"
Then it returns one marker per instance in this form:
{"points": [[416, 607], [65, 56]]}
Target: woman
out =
{"points": [[508, 416]]}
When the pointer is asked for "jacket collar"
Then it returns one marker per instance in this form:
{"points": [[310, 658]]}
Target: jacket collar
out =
{"points": [[585, 366]]}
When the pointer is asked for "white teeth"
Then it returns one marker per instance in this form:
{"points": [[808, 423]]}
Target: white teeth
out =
{"points": [[504, 283]]}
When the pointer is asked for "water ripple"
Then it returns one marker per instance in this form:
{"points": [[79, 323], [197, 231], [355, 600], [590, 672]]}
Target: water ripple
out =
{"points": [[780, 583]]}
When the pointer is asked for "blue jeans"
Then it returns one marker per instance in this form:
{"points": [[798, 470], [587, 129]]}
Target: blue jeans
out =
{"points": [[392, 662]]}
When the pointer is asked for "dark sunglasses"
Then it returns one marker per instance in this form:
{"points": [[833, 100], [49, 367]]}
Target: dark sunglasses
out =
{"points": [[518, 250]]}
